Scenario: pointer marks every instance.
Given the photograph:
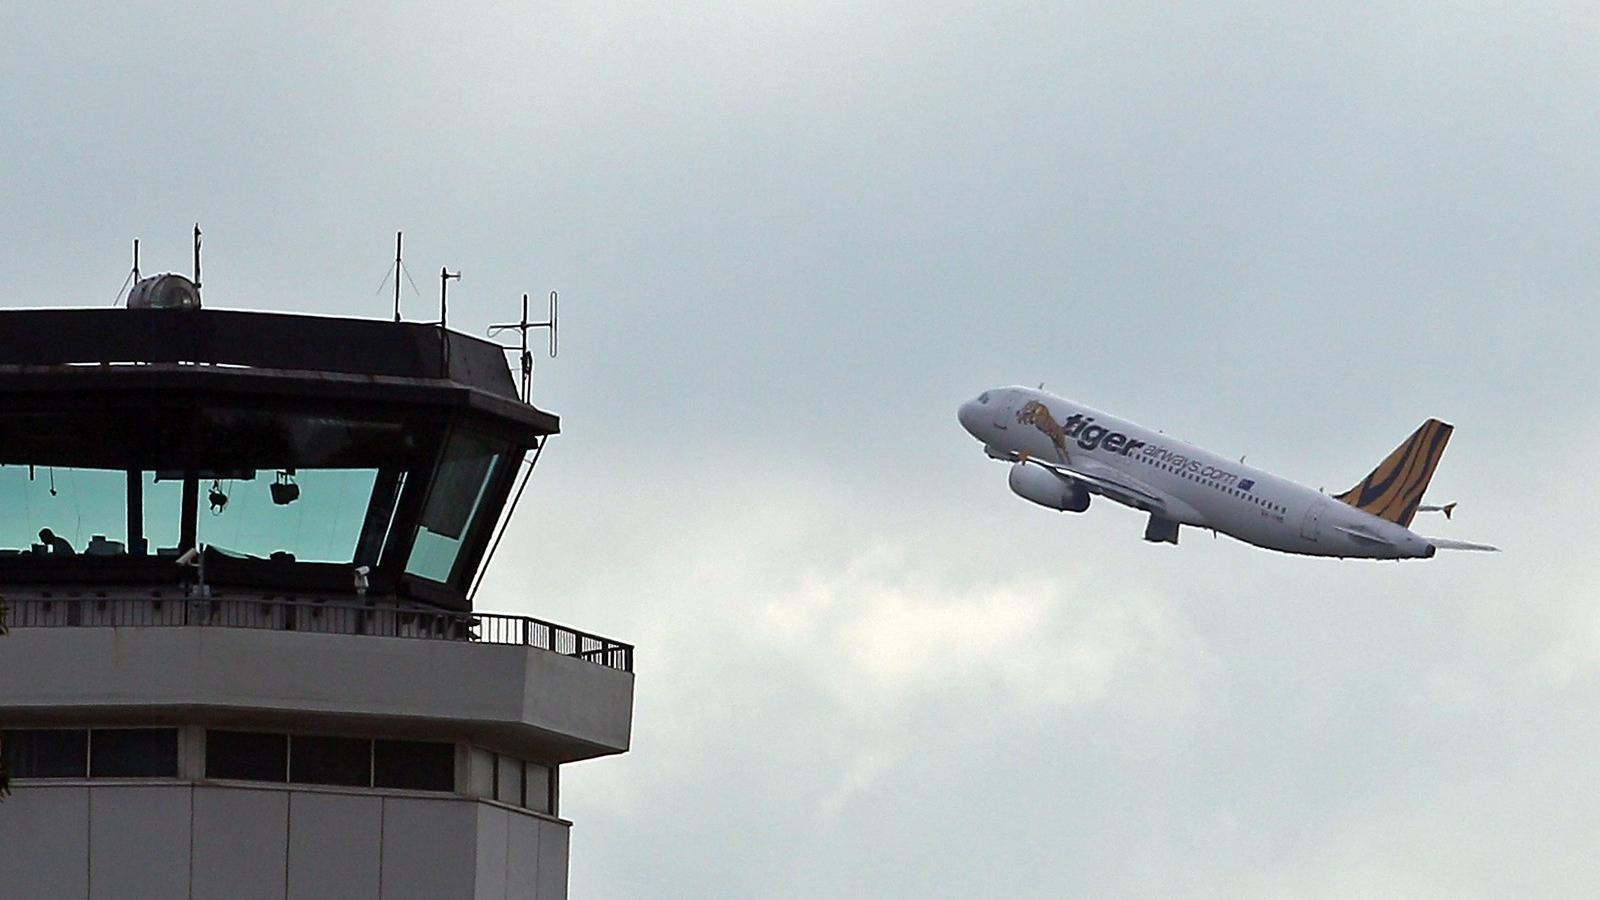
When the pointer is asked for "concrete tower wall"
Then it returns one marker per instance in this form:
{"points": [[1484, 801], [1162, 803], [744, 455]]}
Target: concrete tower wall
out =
{"points": [[513, 714], [173, 841]]}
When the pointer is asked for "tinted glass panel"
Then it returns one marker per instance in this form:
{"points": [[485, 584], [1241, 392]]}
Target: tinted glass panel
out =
{"points": [[133, 753], [247, 755], [454, 498], [416, 765], [270, 482], [330, 760], [162, 502], [72, 505], [56, 753], [314, 515]]}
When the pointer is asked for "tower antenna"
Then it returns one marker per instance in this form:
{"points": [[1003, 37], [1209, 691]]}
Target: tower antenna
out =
{"points": [[133, 275], [398, 270], [197, 255], [445, 276], [522, 328], [398, 235]]}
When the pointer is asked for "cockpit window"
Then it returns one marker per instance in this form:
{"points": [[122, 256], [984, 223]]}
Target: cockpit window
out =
{"points": [[983, 397]]}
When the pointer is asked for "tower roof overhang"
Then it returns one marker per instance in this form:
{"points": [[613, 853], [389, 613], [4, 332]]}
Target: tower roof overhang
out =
{"points": [[126, 352], [400, 441]]}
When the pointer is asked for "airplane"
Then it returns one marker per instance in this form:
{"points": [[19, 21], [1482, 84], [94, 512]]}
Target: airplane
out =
{"points": [[1061, 452]]}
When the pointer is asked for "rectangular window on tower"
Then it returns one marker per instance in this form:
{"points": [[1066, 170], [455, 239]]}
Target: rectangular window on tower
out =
{"points": [[330, 760], [414, 765], [247, 756], [47, 753], [133, 753]]}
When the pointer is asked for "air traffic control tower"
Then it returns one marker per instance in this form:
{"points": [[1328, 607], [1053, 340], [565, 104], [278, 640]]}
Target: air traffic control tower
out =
{"points": [[237, 553]]}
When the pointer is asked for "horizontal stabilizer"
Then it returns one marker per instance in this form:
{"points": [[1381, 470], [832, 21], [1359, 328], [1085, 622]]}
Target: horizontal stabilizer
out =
{"points": [[1446, 544], [1447, 509]]}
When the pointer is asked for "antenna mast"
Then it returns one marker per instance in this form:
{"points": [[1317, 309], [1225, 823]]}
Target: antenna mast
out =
{"points": [[398, 270], [445, 275], [133, 275], [397, 238], [523, 356], [196, 255]]}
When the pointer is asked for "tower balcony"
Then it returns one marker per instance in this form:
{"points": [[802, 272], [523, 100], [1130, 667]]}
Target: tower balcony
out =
{"points": [[531, 687]]}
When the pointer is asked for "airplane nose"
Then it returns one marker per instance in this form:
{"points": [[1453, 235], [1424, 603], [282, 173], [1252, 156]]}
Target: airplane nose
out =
{"points": [[970, 415], [967, 415]]}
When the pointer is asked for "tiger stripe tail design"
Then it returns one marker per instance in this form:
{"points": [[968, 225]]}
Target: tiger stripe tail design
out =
{"points": [[1395, 487]]}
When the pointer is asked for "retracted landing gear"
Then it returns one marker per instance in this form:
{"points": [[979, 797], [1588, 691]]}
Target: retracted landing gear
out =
{"points": [[1161, 531]]}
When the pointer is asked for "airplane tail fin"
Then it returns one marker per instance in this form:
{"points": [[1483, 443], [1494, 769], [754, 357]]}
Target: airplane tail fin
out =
{"points": [[1394, 489]]}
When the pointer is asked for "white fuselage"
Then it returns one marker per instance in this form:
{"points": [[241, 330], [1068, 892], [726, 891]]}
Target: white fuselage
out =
{"points": [[1199, 488]]}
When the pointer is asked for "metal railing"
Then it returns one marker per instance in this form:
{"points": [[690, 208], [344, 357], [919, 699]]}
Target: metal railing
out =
{"points": [[318, 617]]}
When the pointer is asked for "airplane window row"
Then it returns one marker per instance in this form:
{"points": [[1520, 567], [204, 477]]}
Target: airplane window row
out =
{"points": [[1208, 482]]}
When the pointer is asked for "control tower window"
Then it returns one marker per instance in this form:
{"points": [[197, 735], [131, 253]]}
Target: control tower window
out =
{"points": [[317, 519], [464, 474], [275, 494], [161, 502], [62, 511], [251, 483], [294, 486]]}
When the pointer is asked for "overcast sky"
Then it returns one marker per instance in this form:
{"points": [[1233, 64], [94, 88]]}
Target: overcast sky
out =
{"points": [[790, 239]]}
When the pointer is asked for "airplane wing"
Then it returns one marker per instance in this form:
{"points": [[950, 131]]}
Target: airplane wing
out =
{"points": [[1103, 479]]}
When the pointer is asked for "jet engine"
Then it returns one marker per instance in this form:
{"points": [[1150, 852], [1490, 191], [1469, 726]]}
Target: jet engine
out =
{"points": [[1046, 488]]}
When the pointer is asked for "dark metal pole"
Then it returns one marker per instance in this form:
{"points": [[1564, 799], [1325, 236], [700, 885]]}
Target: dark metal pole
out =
{"points": [[506, 519], [397, 274], [525, 360], [444, 335]]}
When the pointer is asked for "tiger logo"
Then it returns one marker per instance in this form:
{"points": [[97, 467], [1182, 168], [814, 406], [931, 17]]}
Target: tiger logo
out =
{"points": [[1038, 415]]}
